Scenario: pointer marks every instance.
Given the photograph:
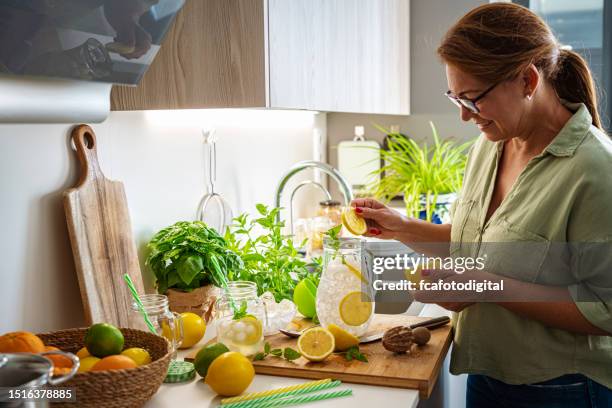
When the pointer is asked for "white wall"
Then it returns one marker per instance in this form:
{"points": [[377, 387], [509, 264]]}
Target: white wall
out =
{"points": [[159, 158]]}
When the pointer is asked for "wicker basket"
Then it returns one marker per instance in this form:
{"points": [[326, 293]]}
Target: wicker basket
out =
{"points": [[114, 388]]}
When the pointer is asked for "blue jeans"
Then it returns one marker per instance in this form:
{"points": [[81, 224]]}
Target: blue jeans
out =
{"points": [[568, 391]]}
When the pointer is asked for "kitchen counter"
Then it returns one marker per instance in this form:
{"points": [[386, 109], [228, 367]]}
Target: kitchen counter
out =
{"points": [[197, 394]]}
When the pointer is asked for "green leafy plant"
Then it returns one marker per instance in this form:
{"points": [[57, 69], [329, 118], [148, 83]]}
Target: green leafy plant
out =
{"points": [[287, 353], [416, 171], [188, 255], [271, 259], [353, 353]]}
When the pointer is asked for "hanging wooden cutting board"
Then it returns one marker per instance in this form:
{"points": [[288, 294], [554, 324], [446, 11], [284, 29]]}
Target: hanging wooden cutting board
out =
{"points": [[101, 237]]}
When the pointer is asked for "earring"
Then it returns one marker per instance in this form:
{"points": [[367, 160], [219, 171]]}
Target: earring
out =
{"points": [[529, 97]]}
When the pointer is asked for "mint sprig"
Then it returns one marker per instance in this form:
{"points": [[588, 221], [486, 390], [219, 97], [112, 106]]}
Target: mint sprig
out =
{"points": [[287, 353], [353, 353]]}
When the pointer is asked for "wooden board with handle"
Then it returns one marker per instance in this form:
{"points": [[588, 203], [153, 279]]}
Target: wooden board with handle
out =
{"points": [[418, 369], [101, 237]]}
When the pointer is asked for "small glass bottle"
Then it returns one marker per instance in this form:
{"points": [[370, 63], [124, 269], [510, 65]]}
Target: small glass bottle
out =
{"points": [[245, 334], [344, 296], [165, 322], [332, 210]]}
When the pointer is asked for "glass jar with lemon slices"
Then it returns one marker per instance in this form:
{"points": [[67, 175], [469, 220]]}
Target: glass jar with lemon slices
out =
{"points": [[239, 318], [344, 295]]}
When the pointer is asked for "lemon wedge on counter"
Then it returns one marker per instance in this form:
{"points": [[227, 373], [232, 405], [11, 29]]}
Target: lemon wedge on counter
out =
{"points": [[344, 340], [316, 344], [353, 310], [355, 224]]}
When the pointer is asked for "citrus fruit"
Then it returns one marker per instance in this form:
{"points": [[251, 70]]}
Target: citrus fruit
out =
{"points": [[206, 355], [139, 355], [355, 271], [103, 340], [316, 344], [353, 310], [304, 297], [21, 342], [82, 353], [114, 363], [415, 275], [230, 374], [58, 360], [194, 329], [344, 340], [355, 224], [87, 363], [246, 331]]}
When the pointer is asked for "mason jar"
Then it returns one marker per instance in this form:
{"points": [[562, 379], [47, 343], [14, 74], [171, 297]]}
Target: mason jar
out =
{"points": [[344, 295], [240, 317], [166, 323]]}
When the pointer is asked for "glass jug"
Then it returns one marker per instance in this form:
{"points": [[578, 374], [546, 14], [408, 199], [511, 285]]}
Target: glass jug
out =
{"points": [[244, 334], [166, 323], [344, 296]]}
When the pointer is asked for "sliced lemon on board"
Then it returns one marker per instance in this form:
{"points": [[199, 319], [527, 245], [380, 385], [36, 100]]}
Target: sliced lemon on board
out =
{"points": [[354, 310], [316, 344], [355, 224], [344, 340]]}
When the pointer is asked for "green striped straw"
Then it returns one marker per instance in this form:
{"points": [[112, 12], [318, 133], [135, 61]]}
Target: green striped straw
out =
{"points": [[305, 390], [304, 399], [144, 314]]}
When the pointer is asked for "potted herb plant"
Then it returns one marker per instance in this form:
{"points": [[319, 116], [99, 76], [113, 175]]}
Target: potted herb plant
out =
{"points": [[190, 261], [428, 176]]}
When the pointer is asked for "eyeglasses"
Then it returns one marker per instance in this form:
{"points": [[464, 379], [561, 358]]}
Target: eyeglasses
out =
{"points": [[469, 104]]}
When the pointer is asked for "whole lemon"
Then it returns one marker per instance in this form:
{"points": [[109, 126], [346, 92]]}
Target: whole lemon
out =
{"points": [[139, 355], [103, 340], [230, 374], [194, 329], [87, 363], [206, 356]]}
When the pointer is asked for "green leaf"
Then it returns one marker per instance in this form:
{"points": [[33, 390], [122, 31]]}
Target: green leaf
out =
{"points": [[354, 353], [188, 267], [262, 209], [267, 348], [242, 312], [259, 356], [276, 352], [291, 354]]}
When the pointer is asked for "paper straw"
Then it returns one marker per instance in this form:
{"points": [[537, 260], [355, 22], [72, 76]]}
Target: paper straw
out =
{"points": [[300, 391], [281, 402], [144, 314], [260, 394]]}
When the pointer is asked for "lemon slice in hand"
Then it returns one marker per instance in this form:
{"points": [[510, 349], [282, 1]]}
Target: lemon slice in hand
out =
{"points": [[344, 340], [355, 224], [246, 331], [316, 344], [353, 310]]}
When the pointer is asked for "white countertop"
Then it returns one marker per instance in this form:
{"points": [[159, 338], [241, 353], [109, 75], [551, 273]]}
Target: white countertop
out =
{"points": [[197, 394]]}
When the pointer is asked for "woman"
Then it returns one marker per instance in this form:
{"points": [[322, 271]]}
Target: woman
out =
{"points": [[539, 174]]}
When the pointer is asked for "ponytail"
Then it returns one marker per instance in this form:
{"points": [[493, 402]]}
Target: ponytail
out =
{"points": [[574, 83]]}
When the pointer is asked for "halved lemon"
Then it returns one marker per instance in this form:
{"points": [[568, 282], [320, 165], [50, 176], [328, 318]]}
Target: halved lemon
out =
{"points": [[344, 340], [354, 310], [353, 222], [316, 344]]}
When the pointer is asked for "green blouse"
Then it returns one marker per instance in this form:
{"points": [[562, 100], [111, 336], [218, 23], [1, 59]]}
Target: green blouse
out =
{"points": [[564, 195]]}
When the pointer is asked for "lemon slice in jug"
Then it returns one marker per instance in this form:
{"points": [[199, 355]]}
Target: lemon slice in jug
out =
{"points": [[246, 331], [355, 224], [355, 308]]}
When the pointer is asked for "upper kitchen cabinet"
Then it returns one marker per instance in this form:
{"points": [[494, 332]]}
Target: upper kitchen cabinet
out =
{"points": [[327, 55], [340, 55], [213, 57]]}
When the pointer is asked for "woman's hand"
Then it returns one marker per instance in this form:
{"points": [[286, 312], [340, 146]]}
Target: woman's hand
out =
{"points": [[383, 222]]}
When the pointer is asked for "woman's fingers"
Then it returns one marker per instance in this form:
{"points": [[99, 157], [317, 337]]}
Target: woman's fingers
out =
{"points": [[368, 213], [367, 203]]}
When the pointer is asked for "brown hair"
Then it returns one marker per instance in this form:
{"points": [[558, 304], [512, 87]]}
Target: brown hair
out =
{"points": [[497, 41]]}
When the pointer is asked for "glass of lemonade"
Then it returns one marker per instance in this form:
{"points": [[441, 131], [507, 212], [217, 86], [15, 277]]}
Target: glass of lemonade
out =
{"points": [[344, 295], [244, 334]]}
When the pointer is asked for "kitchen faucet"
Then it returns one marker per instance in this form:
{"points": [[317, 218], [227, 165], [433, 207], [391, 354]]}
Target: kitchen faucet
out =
{"points": [[345, 188]]}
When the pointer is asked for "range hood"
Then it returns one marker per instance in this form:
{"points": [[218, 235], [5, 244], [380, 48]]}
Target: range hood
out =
{"points": [[111, 41]]}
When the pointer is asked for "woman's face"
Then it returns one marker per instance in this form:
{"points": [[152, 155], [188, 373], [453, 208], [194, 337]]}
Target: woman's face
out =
{"points": [[501, 110]]}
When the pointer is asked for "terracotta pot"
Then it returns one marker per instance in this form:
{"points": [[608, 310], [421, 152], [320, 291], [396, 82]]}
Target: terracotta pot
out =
{"points": [[200, 301]]}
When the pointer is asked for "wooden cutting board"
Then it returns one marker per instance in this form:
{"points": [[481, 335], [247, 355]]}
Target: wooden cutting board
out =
{"points": [[418, 369], [101, 237]]}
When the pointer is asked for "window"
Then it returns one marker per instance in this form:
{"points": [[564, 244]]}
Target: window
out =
{"points": [[586, 26]]}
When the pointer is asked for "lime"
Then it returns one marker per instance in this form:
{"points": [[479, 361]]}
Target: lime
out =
{"points": [[206, 356], [355, 224], [194, 329], [103, 340], [344, 340], [230, 374], [304, 297], [354, 311], [316, 344], [139, 355]]}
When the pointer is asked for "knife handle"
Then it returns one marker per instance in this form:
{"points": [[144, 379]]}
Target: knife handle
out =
{"points": [[432, 323]]}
